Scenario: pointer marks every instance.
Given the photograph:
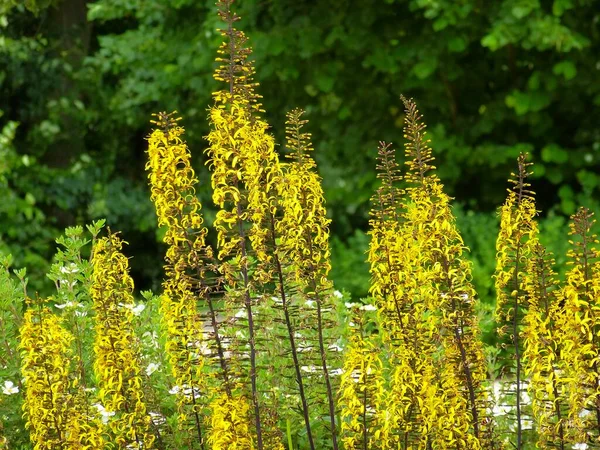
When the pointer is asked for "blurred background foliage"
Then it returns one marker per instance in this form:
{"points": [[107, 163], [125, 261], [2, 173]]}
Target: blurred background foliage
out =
{"points": [[79, 80]]}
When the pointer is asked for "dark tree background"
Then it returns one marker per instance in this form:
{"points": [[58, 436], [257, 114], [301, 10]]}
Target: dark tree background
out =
{"points": [[79, 80]]}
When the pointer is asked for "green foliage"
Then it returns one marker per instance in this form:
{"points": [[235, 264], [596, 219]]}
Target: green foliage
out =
{"points": [[12, 425]]}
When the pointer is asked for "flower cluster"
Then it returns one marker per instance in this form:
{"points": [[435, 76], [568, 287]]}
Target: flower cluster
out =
{"points": [[117, 365]]}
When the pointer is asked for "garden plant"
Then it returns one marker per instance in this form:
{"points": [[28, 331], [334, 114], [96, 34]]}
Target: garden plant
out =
{"points": [[249, 346]]}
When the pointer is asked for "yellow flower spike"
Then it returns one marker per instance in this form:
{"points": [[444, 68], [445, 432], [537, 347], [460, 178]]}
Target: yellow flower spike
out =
{"points": [[543, 355], [192, 277], [303, 233], [117, 358], [579, 321], [229, 424], [360, 383], [421, 284], [231, 132], [55, 417], [235, 69], [515, 245]]}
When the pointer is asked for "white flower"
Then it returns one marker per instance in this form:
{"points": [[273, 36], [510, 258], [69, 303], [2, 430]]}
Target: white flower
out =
{"points": [[205, 349], [240, 314], [336, 372], [81, 313], [152, 338], [309, 369], [135, 309], [9, 388], [581, 446], [152, 367], [72, 268], [104, 413], [349, 305], [338, 294], [64, 282], [185, 390], [584, 413], [368, 308], [69, 304], [310, 303], [501, 410]]}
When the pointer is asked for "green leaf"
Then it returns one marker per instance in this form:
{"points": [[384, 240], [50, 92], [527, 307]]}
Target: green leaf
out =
{"points": [[565, 68], [554, 154], [425, 68], [457, 44]]}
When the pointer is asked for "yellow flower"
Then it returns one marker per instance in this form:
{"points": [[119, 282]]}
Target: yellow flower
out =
{"points": [[52, 409], [116, 363]]}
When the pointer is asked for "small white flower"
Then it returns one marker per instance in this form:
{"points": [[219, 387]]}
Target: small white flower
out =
{"points": [[152, 338], [527, 423], [338, 294], [580, 446], [240, 314], [336, 372], [174, 390], [152, 367], [205, 349], [309, 369], [501, 410], [349, 305], [104, 413], [368, 308], [72, 268], [310, 303], [10, 388], [135, 309], [69, 304], [584, 413], [69, 284], [81, 313]]}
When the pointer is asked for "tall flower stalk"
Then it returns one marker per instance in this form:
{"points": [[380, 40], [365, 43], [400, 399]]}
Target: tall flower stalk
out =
{"points": [[544, 327], [421, 285], [451, 291], [580, 296], [53, 411], [229, 117], [304, 246], [116, 347], [191, 286], [515, 246]]}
